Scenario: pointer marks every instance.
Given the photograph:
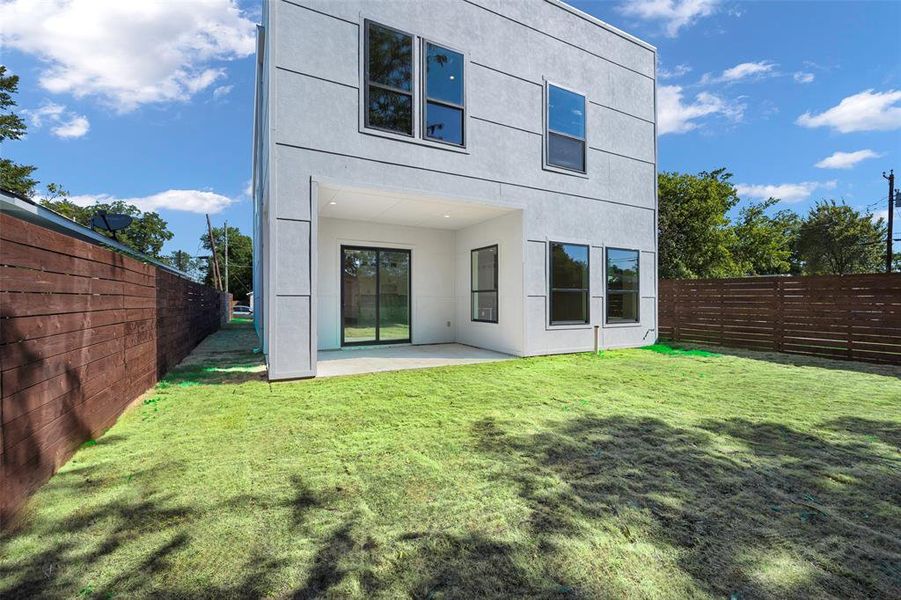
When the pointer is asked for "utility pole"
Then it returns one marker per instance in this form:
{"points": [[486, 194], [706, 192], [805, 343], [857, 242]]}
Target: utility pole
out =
{"points": [[891, 211], [226, 257], [217, 277]]}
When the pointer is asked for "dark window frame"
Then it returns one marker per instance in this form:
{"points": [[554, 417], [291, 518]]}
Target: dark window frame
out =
{"points": [[548, 131], [425, 99], [608, 292], [472, 292], [552, 289], [367, 24], [378, 250]]}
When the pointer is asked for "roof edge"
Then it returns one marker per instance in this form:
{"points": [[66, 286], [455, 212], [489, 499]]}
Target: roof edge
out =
{"points": [[603, 24]]}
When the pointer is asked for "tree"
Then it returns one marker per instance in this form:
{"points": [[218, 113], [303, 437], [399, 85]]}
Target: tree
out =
{"points": [[146, 234], [763, 244], [195, 267], [837, 239], [240, 260], [695, 236], [13, 176]]}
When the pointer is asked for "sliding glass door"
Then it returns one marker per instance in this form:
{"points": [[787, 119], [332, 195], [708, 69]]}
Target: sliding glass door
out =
{"points": [[375, 296]]}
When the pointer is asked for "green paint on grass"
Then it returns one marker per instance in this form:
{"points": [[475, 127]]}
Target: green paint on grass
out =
{"points": [[669, 350], [647, 475]]}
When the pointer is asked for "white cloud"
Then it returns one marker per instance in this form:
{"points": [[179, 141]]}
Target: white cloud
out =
{"points": [[674, 115], [63, 122], [846, 160], [674, 73], [222, 91], [674, 14], [866, 111], [128, 53], [195, 201], [746, 70], [803, 77], [75, 127], [248, 188], [787, 192]]}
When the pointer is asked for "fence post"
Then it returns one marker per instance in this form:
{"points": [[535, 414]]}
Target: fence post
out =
{"points": [[780, 315], [677, 319]]}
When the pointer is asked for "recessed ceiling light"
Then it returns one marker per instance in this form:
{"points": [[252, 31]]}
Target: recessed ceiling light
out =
{"points": [[333, 203], [447, 216], [452, 77]]}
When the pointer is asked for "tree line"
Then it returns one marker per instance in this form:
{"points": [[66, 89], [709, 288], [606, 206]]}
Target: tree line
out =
{"points": [[700, 236]]}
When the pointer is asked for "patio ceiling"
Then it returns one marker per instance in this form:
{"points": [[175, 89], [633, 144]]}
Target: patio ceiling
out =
{"points": [[376, 206]]}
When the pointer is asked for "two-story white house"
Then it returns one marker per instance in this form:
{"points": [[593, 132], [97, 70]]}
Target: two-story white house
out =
{"points": [[471, 171]]}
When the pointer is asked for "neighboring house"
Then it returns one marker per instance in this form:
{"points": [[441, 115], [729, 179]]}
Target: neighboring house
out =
{"points": [[472, 171]]}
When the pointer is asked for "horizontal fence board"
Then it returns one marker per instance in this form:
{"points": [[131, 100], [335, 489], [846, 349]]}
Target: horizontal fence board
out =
{"points": [[11, 230], [83, 332], [23, 353], [19, 378], [855, 317], [27, 328]]}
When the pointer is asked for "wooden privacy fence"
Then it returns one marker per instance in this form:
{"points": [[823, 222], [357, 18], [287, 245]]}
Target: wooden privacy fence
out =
{"points": [[855, 317], [83, 332]]}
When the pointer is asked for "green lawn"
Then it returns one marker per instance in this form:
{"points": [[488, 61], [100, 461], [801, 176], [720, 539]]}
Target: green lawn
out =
{"points": [[640, 473]]}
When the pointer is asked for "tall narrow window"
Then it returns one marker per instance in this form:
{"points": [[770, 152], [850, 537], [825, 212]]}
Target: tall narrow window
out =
{"points": [[444, 97], [622, 286], [569, 283], [484, 284], [389, 79], [565, 135]]}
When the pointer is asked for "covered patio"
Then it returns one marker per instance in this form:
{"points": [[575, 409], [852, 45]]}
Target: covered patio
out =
{"points": [[353, 361]]}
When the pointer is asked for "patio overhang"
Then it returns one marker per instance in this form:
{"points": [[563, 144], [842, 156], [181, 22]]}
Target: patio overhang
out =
{"points": [[405, 208]]}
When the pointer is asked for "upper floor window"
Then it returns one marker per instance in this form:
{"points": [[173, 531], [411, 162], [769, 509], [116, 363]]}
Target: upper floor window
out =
{"points": [[622, 286], [444, 99], [413, 87], [569, 283], [565, 134], [389, 79]]}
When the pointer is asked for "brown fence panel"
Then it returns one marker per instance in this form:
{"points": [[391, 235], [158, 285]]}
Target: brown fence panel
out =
{"points": [[854, 317], [84, 331]]}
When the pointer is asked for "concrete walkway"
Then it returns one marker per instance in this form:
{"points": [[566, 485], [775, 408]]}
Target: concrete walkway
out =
{"points": [[352, 361]]}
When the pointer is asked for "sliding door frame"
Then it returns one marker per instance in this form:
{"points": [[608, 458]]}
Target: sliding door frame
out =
{"points": [[378, 290]]}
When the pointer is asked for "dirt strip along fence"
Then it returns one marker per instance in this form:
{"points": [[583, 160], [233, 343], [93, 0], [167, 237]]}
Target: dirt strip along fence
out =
{"points": [[84, 331], [852, 317]]}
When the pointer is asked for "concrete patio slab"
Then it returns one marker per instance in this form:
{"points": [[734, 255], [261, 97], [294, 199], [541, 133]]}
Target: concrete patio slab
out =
{"points": [[353, 361]]}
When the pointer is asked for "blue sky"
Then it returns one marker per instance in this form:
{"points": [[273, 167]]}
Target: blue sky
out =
{"points": [[152, 102]]}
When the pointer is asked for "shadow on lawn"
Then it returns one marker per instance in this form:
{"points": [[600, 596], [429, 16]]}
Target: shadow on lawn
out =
{"points": [[828, 507], [133, 518], [793, 360]]}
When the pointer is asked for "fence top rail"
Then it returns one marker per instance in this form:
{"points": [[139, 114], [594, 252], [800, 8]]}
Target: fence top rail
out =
{"points": [[789, 279], [27, 210]]}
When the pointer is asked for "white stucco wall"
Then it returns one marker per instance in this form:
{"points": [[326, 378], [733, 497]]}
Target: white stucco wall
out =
{"points": [[432, 255], [507, 334], [511, 48]]}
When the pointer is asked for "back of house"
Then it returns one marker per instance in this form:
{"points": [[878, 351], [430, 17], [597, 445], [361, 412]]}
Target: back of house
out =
{"points": [[471, 171]]}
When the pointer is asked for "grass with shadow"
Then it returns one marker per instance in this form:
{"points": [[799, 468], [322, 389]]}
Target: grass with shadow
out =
{"points": [[637, 473]]}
